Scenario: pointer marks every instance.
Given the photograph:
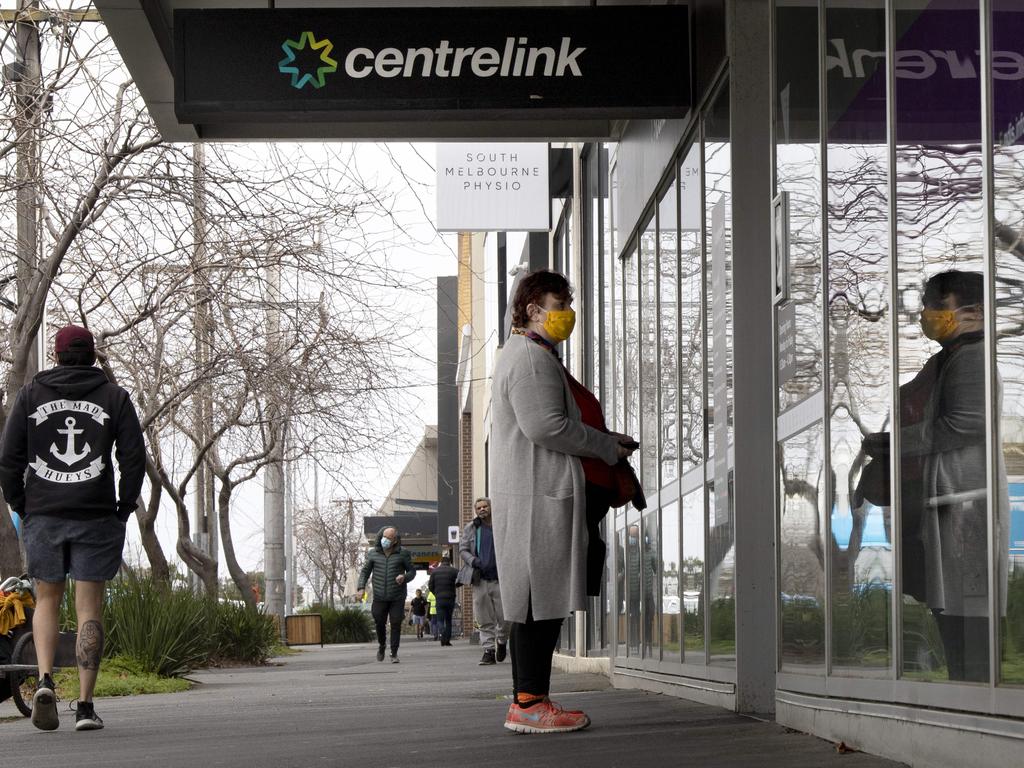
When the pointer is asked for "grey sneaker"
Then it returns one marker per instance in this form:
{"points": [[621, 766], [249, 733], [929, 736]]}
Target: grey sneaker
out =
{"points": [[380, 654], [86, 718], [394, 659], [44, 706]]}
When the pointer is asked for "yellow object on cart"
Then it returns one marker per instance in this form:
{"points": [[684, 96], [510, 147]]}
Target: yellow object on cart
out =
{"points": [[12, 609]]}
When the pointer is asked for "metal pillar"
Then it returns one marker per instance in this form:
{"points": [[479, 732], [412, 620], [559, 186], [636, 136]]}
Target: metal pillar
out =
{"points": [[750, 127]]}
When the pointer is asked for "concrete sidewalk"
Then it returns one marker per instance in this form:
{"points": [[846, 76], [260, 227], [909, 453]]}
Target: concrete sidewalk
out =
{"points": [[337, 706]]}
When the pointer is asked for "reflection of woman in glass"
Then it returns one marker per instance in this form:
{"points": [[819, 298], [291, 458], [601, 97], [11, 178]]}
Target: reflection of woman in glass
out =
{"points": [[943, 461]]}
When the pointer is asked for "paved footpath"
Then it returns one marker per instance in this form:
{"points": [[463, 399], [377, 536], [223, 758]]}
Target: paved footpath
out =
{"points": [[337, 706]]}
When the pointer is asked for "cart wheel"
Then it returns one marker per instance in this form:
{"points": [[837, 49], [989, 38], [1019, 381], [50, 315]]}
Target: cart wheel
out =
{"points": [[23, 685]]}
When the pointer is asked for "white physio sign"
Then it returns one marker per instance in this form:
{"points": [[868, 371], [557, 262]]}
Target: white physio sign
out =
{"points": [[493, 187]]}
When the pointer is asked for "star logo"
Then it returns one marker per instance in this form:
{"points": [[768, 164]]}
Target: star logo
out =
{"points": [[287, 65]]}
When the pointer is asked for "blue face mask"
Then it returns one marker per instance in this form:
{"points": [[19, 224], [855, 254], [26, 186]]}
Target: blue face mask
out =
{"points": [[385, 542]]}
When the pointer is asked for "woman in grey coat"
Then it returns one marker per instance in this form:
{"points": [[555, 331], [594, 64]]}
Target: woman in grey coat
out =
{"points": [[538, 493], [944, 442]]}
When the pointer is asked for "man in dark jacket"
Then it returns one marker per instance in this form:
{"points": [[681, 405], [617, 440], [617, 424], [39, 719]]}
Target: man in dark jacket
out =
{"points": [[391, 568], [480, 570], [442, 584], [56, 474]]}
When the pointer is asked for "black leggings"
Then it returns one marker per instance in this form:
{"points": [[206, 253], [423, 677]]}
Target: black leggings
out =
{"points": [[531, 646], [394, 610], [965, 640]]}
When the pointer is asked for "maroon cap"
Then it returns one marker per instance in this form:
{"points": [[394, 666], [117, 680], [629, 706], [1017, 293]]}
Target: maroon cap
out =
{"points": [[74, 338]]}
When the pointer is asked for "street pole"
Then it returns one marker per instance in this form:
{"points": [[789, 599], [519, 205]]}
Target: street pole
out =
{"points": [[27, 70], [273, 473], [205, 526], [289, 537]]}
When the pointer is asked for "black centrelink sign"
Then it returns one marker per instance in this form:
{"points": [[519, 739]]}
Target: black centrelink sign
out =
{"points": [[410, 63]]}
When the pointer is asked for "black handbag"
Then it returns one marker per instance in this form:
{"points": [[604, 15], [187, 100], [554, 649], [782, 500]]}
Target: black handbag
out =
{"points": [[874, 484], [627, 487]]}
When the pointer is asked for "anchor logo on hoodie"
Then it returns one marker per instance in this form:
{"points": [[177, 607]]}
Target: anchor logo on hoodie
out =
{"points": [[71, 451]]}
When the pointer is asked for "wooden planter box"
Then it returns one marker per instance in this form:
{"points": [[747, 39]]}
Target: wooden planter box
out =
{"points": [[304, 629]]}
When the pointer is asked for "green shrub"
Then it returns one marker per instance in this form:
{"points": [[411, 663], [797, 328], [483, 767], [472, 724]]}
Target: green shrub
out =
{"points": [[349, 625], [165, 631], [242, 634]]}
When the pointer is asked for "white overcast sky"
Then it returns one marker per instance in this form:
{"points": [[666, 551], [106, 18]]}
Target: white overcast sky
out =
{"points": [[423, 254]]}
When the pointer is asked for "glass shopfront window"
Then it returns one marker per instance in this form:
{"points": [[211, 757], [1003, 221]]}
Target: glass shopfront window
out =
{"points": [[859, 352], [612, 287], [671, 589], [798, 173], [620, 585], [940, 255], [595, 283], [649, 327], [632, 337], [667, 329], [691, 318], [614, 314], [651, 585], [672, 317], [691, 577], [801, 550], [634, 584], [1007, 25], [901, 549], [718, 275]]}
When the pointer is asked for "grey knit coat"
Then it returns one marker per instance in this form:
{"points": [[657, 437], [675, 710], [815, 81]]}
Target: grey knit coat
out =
{"points": [[951, 440], [537, 487]]}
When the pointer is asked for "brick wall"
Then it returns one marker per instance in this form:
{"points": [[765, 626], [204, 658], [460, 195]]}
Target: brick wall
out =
{"points": [[465, 508], [465, 294]]}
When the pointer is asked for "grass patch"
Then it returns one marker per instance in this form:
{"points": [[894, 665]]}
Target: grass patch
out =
{"points": [[120, 676]]}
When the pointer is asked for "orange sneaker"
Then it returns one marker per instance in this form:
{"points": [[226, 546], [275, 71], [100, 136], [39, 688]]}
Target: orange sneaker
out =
{"points": [[544, 717], [557, 706]]}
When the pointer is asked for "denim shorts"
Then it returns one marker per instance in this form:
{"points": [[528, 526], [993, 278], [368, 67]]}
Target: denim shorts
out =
{"points": [[88, 550]]}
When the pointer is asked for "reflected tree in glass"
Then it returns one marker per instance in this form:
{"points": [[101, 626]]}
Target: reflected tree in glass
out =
{"points": [[801, 549]]}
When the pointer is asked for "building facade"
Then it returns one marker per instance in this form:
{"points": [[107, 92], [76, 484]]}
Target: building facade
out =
{"points": [[804, 298], [834, 524]]}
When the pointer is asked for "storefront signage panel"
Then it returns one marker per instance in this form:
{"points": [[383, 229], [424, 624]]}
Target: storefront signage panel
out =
{"points": [[445, 63], [937, 67], [493, 187]]}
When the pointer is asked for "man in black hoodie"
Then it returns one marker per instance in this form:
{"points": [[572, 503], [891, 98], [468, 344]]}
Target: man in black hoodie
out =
{"points": [[56, 474]]}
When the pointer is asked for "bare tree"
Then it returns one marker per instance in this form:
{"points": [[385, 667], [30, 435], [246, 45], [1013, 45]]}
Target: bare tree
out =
{"points": [[328, 545], [131, 253], [88, 138]]}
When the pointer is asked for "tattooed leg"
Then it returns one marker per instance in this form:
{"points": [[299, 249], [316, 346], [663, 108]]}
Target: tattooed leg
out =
{"points": [[89, 649], [90, 645]]}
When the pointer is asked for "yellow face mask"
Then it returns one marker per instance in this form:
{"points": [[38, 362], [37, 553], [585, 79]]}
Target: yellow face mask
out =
{"points": [[558, 323], [938, 324]]}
